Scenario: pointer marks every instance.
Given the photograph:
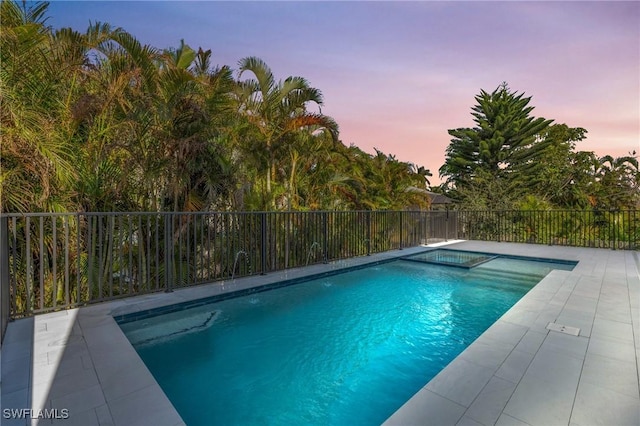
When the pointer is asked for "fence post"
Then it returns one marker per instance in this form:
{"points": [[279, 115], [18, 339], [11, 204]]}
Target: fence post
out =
{"points": [[168, 251], [5, 303], [446, 224], [456, 223], [401, 228], [325, 238], [263, 242], [325, 235], [368, 232], [636, 231]]}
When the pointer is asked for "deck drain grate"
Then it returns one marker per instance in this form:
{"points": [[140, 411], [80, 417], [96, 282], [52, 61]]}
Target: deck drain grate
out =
{"points": [[574, 331]]}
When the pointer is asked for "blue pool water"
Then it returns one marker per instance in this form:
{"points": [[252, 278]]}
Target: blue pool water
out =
{"points": [[345, 349]]}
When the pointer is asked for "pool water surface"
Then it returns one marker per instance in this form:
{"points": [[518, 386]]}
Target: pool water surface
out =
{"points": [[345, 349]]}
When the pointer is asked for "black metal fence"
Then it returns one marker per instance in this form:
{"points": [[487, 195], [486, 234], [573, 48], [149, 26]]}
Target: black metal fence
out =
{"points": [[601, 229], [5, 300], [57, 261]]}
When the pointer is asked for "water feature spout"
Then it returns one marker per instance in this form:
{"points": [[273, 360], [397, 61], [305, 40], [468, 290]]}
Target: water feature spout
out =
{"points": [[314, 245], [235, 262]]}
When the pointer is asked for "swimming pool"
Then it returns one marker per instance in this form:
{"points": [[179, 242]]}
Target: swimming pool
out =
{"points": [[341, 349]]}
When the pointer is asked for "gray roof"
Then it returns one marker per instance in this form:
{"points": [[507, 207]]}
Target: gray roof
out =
{"points": [[439, 198]]}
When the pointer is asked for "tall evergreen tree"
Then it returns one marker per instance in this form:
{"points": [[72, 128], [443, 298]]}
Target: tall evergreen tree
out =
{"points": [[504, 131]]}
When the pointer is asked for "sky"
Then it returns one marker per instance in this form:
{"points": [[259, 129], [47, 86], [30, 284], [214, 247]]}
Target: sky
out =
{"points": [[397, 75]]}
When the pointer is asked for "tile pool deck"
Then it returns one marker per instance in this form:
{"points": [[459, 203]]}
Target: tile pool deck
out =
{"points": [[517, 373]]}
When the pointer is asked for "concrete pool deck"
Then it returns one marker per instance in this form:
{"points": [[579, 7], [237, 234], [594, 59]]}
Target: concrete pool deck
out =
{"points": [[78, 364]]}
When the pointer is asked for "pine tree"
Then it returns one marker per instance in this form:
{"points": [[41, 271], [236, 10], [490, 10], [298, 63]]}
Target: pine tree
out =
{"points": [[504, 131]]}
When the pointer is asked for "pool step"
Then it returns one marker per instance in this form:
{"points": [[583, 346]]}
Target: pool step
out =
{"points": [[507, 274], [155, 329], [446, 258], [503, 277]]}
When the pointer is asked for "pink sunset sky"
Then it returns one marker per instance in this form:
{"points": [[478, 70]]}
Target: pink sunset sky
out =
{"points": [[397, 75]]}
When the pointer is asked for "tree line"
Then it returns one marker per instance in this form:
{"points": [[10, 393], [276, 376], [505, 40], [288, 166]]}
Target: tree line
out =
{"points": [[97, 121], [513, 160]]}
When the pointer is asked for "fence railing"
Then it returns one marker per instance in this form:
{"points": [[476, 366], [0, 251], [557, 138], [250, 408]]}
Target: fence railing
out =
{"points": [[58, 261], [601, 229], [5, 296]]}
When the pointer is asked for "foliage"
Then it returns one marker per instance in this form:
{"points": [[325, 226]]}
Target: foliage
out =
{"points": [[534, 224], [64, 260], [512, 160], [502, 137], [97, 121]]}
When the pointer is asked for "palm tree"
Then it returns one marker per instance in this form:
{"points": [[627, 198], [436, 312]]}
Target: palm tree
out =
{"points": [[277, 109], [617, 180], [194, 98], [38, 81]]}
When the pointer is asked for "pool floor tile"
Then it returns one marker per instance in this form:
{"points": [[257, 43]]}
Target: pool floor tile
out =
{"points": [[80, 380], [488, 406], [78, 418], [531, 341], [505, 332], [596, 405], [611, 374], [507, 420], [104, 416], [147, 406], [579, 319], [15, 422], [16, 399], [67, 365], [80, 400], [468, 421], [555, 367], [514, 367], [129, 379], [612, 330], [19, 349], [16, 374], [21, 329], [566, 344], [520, 316], [488, 352], [541, 403], [618, 311], [40, 396], [612, 349], [461, 381], [427, 409]]}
